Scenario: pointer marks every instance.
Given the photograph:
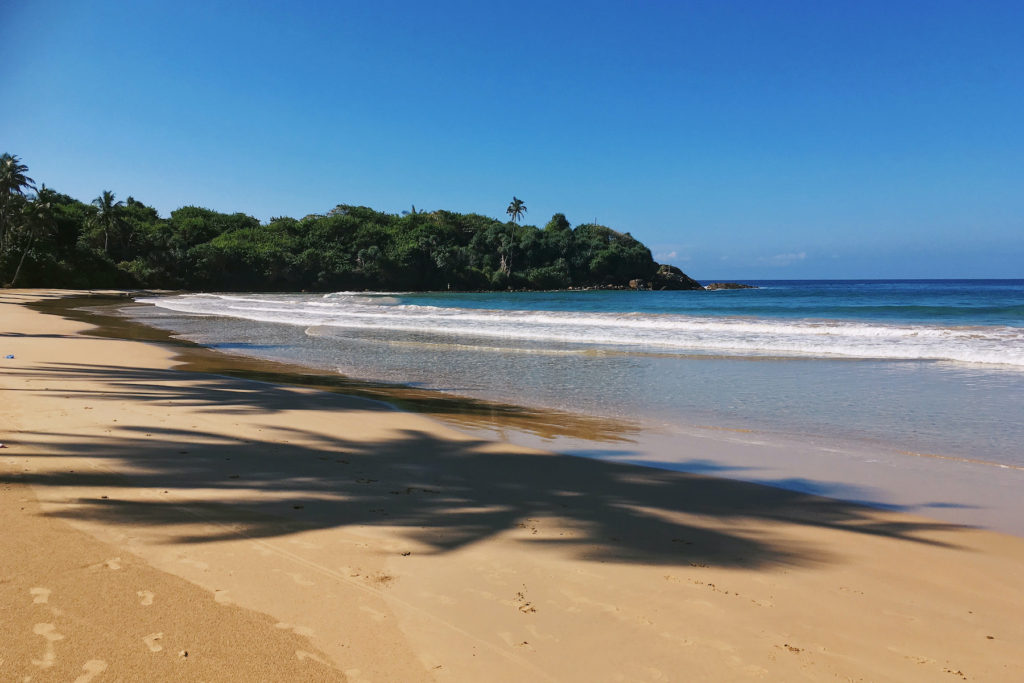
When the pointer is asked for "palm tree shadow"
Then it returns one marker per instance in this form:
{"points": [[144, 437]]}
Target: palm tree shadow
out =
{"points": [[445, 493]]}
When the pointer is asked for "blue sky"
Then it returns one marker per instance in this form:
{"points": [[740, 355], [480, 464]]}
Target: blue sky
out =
{"points": [[737, 139]]}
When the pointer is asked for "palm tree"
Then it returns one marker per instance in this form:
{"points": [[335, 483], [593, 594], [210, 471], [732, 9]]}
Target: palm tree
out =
{"points": [[515, 210], [39, 217], [13, 183], [108, 215]]}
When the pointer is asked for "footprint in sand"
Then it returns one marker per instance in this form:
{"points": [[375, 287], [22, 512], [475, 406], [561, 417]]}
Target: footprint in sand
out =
{"points": [[151, 643], [261, 549], [113, 563], [221, 597], [92, 668], [48, 631], [438, 598], [40, 596], [537, 635], [512, 641], [485, 594], [303, 655], [301, 580], [145, 597], [656, 674], [354, 676], [198, 564], [374, 614], [298, 630], [677, 639]]}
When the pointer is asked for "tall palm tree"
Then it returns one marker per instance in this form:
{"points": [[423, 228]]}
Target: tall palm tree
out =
{"points": [[515, 210], [39, 218], [108, 215], [13, 183]]}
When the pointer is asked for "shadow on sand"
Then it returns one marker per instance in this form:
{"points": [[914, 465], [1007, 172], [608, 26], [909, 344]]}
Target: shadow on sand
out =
{"points": [[444, 493]]}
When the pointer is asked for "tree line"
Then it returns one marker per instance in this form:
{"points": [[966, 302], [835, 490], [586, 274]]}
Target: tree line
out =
{"points": [[48, 239]]}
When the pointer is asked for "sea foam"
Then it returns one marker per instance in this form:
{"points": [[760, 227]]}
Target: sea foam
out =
{"points": [[708, 334]]}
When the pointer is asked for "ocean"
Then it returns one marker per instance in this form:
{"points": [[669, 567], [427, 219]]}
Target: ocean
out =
{"points": [[896, 368]]}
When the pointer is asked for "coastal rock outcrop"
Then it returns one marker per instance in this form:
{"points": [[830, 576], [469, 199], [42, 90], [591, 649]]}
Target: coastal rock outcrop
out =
{"points": [[670, 277], [727, 285]]}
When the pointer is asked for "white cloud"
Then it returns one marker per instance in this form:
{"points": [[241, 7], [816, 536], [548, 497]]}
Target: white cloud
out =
{"points": [[670, 256]]}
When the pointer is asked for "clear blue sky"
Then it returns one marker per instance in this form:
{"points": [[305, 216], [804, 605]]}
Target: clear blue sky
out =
{"points": [[737, 139]]}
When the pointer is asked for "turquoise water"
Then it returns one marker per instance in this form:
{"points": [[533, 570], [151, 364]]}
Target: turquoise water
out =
{"points": [[947, 302], [923, 366]]}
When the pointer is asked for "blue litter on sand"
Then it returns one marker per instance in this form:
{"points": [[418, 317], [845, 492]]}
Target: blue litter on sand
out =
{"points": [[10, 355]]}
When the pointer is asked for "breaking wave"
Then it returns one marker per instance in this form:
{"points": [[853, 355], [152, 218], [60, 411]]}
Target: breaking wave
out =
{"points": [[625, 332]]}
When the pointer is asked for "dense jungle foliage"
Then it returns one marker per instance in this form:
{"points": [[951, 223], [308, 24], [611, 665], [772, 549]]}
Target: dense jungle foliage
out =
{"points": [[48, 239]]}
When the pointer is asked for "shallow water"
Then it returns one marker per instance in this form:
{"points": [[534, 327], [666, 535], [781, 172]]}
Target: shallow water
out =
{"points": [[932, 368]]}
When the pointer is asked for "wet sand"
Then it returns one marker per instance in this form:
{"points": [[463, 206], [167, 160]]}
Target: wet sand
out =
{"points": [[306, 534], [981, 490]]}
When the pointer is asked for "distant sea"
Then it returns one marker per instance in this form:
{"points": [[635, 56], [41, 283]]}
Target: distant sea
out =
{"points": [[927, 366]]}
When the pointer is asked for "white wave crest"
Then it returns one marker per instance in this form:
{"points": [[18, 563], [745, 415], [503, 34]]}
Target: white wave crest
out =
{"points": [[1002, 346]]}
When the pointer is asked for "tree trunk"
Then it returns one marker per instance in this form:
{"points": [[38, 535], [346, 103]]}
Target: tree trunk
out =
{"points": [[22, 260], [3, 228]]}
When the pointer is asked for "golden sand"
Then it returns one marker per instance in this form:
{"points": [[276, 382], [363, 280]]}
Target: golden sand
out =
{"points": [[284, 533]]}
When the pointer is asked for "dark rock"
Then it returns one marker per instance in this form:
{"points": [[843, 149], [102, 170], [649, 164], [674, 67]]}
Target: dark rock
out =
{"points": [[727, 285], [670, 277], [639, 284]]}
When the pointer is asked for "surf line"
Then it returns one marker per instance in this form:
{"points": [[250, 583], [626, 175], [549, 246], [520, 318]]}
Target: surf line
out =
{"points": [[970, 461]]}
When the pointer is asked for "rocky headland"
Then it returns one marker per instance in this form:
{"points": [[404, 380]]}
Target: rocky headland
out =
{"points": [[671, 278], [727, 285]]}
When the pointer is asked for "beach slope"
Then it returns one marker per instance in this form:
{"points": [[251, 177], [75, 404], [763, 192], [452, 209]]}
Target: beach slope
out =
{"points": [[170, 525]]}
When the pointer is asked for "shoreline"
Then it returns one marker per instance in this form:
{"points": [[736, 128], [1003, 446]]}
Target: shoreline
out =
{"points": [[960, 490], [452, 409], [404, 550]]}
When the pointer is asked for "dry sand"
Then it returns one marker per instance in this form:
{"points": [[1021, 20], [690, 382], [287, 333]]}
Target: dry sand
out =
{"points": [[280, 533]]}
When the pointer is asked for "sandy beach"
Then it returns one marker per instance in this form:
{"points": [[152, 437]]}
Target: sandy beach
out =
{"points": [[166, 524]]}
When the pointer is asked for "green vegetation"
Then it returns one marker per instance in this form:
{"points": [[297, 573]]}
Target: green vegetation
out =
{"points": [[48, 239]]}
